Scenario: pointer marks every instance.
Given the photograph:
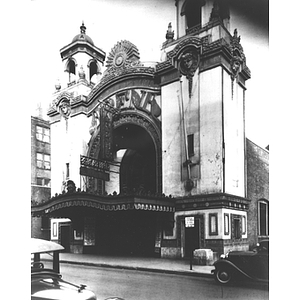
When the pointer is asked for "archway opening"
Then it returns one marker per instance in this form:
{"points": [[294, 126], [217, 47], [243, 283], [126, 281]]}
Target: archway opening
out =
{"points": [[139, 163]]}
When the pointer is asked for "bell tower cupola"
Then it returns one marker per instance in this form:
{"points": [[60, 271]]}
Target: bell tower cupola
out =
{"points": [[82, 64], [81, 55], [82, 70]]}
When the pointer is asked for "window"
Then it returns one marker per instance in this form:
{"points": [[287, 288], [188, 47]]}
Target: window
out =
{"points": [[236, 228], [192, 10], [43, 181], [71, 69], [190, 140], [213, 224], [263, 218], [243, 225], [226, 224], [43, 161], [43, 134]]}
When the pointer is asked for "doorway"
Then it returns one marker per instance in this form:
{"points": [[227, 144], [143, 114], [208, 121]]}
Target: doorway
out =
{"points": [[191, 238], [65, 236], [126, 233]]}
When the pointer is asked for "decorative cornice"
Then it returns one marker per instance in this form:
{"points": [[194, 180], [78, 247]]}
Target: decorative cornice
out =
{"points": [[114, 74], [113, 202], [157, 202], [218, 200], [231, 51]]}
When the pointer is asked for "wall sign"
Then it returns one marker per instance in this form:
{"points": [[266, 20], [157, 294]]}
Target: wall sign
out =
{"points": [[189, 221]]}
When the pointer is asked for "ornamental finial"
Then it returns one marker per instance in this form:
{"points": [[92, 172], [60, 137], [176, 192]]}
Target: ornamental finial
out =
{"points": [[82, 28], [170, 33]]}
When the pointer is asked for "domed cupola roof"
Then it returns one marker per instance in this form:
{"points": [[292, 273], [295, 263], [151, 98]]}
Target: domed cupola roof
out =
{"points": [[82, 36], [84, 44]]}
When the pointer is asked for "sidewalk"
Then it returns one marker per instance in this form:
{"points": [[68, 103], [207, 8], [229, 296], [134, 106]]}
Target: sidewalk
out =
{"points": [[162, 265]]}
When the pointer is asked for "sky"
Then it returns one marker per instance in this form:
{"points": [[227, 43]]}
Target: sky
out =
{"points": [[52, 25]]}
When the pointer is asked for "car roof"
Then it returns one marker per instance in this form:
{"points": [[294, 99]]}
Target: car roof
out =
{"points": [[43, 246]]}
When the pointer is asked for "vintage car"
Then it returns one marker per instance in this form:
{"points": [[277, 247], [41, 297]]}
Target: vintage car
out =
{"points": [[46, 281], [236, 265]]}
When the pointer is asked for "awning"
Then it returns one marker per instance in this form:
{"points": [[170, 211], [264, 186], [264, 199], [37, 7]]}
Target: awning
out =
{"points": [[105, 203]]}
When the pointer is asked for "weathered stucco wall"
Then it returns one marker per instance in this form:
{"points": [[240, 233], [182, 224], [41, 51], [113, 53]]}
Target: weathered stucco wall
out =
{"points": [[234, 136], [68, 142]]}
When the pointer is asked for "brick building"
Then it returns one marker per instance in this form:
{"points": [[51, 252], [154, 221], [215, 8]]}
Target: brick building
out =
{"points": [[257, 192], [40, 173]]}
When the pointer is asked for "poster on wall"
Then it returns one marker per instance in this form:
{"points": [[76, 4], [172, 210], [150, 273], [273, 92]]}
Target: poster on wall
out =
{"points": [[89, 231], [157, 242]]}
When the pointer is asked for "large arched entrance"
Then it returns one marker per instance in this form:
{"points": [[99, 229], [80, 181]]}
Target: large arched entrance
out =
{"points": [[135, 144], [138, 165]]}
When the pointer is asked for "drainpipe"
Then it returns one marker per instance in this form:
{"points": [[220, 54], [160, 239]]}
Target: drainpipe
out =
{"points": [[181, 109]]}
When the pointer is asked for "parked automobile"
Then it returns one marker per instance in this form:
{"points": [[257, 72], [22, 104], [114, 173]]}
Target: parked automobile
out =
{"points": [[252, 265], [47, 282]]}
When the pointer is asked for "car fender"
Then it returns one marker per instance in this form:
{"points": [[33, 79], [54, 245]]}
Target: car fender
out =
{"points": [[223, 262]]}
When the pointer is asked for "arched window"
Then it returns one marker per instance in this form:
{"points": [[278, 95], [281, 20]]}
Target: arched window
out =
{"points": [[192, 11], [93, 69], [263, 217], [71, 69]]}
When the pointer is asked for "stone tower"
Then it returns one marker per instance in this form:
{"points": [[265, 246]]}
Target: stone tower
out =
{"points": [[82, 62], [203, 76]]}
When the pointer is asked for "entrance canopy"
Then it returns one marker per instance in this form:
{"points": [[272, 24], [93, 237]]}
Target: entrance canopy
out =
{"points": [[117, 202]]}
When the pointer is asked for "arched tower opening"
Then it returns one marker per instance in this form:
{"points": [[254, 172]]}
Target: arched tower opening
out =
{"points": [[94, 70], [192, 11], [71, 69]]}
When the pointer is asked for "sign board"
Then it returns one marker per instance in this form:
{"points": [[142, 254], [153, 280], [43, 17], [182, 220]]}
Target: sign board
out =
{"points": [[93, 163], [189, 221], [94, 168]]}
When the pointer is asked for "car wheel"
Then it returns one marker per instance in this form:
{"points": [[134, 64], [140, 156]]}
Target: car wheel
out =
{"points": [[223, 276]]}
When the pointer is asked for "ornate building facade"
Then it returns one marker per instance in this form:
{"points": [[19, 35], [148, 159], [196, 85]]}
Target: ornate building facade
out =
{"points": [[150, 159]]}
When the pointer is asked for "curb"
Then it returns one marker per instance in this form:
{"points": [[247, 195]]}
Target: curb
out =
{"points": [[103, 265]]}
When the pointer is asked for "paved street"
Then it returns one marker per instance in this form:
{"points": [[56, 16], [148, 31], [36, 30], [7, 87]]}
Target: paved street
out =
{"points": [[131, 284]]}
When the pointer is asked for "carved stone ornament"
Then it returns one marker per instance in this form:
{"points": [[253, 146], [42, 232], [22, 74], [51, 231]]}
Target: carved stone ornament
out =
{"points": [[188, 64], [186, 58], [123, 59], [123, 53], [63, 104], [65, 108], [95, 122], [235, 66], [238, 60], [170, 33]]}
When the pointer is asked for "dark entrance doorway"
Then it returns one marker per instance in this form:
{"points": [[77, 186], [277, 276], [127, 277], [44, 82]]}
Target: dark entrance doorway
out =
{"points": [[192, 240], [126, 233], [138, 171], [65, 236]]}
